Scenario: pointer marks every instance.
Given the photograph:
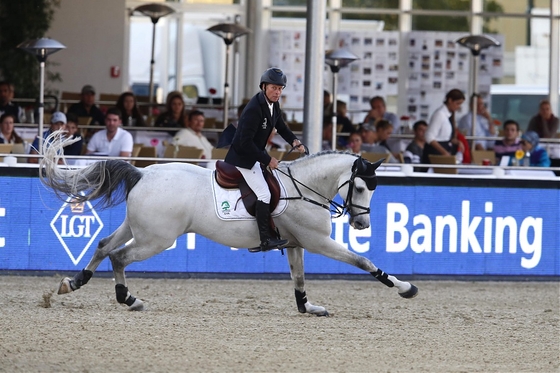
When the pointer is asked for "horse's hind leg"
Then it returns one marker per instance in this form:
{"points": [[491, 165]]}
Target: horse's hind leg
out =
{"points": [[105, 246], [133, 252], [295, 258]]}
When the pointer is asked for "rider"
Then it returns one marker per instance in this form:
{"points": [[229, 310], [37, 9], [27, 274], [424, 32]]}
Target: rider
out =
{"points": [[247, 151]]}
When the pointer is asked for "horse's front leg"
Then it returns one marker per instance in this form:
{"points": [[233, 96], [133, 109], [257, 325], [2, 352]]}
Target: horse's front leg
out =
{"points": [[295, 258], [332, 249]]}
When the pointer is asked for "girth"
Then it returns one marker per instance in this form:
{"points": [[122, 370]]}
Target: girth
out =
{"points": [[229, 177]]}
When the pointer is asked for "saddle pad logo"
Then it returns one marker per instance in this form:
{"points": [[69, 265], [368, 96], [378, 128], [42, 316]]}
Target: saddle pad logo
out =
{"points": [[225, 207]]}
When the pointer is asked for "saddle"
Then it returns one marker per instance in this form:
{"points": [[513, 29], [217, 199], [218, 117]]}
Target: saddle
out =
{"points": [[229, 177]]}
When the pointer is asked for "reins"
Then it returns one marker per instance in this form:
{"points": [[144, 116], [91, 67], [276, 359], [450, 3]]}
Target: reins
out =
{"points": [[337, 208]]}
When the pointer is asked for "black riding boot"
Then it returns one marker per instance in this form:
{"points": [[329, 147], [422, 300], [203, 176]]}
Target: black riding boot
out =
{"points": [[263, 222]]}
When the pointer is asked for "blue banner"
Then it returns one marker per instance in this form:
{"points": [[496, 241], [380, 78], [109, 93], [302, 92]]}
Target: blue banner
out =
{"points": [[425, 230]]}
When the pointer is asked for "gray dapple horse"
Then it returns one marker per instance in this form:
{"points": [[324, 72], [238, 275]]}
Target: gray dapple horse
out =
{"points": [[157, 214]]}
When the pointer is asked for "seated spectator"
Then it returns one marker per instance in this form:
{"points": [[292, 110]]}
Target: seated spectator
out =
{"points": [[355, 142], [379, 111], [545, 124], [113, 141], [72, 129], [7, 133], [343, 123], [87, 108], [414, 150], [327, 133], [369, 137], [128, 106], [6, 104], [327, 103], [538, 155], [370, 141], [384, 129], [226, 137], [58, 121], [509, 144], [484, 124], [174, 114], [192, 135]]}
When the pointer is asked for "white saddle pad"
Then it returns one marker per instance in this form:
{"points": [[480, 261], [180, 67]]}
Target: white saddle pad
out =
{"points": [[229, 206]]}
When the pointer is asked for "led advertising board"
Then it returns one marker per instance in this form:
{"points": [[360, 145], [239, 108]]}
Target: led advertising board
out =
{"points": [[415, 230]]}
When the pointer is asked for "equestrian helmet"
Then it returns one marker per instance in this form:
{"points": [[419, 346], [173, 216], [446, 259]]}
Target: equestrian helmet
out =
{"points": [[273, 76]]}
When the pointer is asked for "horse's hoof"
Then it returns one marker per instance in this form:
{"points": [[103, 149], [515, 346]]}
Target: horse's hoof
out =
{"points": [[326, 314], [138, 305], [65, 287], [411, 293]]}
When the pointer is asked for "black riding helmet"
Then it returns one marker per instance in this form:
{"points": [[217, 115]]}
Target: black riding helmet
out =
{"points": [[273, 76]]}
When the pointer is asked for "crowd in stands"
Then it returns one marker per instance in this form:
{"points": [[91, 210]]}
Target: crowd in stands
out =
{"points": [[442, 134]]}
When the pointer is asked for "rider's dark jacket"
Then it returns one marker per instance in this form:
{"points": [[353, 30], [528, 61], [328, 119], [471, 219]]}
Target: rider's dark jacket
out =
{"points": [[253, 129]]}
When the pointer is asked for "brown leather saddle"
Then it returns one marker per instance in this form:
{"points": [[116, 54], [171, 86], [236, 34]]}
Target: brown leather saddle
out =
{"points": [[229, 177]]}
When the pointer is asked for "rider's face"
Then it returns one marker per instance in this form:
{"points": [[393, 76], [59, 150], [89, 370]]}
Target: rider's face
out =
{"points": [[273, 92]]}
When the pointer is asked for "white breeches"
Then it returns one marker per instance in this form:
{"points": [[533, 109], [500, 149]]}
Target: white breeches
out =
{"points": [[255, 179]]}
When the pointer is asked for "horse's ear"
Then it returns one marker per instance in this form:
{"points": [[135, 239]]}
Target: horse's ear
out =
{"points": [[378, 163]]}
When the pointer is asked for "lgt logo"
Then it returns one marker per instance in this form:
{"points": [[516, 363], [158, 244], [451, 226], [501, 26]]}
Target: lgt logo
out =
{"points": [[71, 225]]}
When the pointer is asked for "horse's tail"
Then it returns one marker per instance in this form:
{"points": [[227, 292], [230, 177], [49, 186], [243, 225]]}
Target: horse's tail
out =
{"points": [[109, 180]]}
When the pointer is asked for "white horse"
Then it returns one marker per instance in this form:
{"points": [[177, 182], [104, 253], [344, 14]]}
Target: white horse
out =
{"points": [[165, 201]]}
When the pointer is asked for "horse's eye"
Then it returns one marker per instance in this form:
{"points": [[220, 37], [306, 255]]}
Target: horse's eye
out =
{"points": [[359, 189]]}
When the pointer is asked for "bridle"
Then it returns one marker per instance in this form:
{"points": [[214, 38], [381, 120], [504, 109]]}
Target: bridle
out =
{"points": [[334, 207]]}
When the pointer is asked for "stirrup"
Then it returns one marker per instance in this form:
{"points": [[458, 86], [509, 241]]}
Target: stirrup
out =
{"points": [[278, 244]]}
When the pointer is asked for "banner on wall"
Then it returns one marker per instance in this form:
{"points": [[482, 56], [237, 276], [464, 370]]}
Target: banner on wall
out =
{"points": [[427, 230]]}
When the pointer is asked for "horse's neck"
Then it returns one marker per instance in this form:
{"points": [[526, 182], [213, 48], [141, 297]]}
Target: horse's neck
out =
{"points": [[323, 172]]}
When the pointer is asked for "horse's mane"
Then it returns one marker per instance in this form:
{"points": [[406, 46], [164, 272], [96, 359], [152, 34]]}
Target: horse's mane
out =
{"points": [[321, 153]]}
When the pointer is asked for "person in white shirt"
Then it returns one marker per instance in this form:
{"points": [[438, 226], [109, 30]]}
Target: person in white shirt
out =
{"points": [[441, 134], [484, 124], [192, 135], [113, 141]]}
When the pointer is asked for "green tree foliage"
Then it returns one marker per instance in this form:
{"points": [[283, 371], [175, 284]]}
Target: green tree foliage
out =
{"points": [[21, 20]]}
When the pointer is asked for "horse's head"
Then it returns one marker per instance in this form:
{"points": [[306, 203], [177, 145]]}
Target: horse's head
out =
{"points": [[358, 190]]}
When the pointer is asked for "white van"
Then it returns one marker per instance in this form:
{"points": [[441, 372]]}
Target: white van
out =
{"points": [[520, 103]]}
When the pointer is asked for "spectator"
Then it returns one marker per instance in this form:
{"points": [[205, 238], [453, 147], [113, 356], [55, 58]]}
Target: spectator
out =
{"points": [[6, 104], [87, 108], [343, 122], [327, 133], [371, 140], [113, 141], [414, 150], [355, 142], [484, 124], [192, 134], [7, 133], [58, 120], [72, 129], [441, 134], [327, 103], [369, 136], [545, 124], [128, 106], [538, 155], [174, 114], [384, 129], [379, 111], [509, 144], [226, 137]]}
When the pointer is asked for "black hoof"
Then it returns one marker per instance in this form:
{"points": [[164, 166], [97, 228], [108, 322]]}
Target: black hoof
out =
{"points": [[411, 293], [325, 314]]}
